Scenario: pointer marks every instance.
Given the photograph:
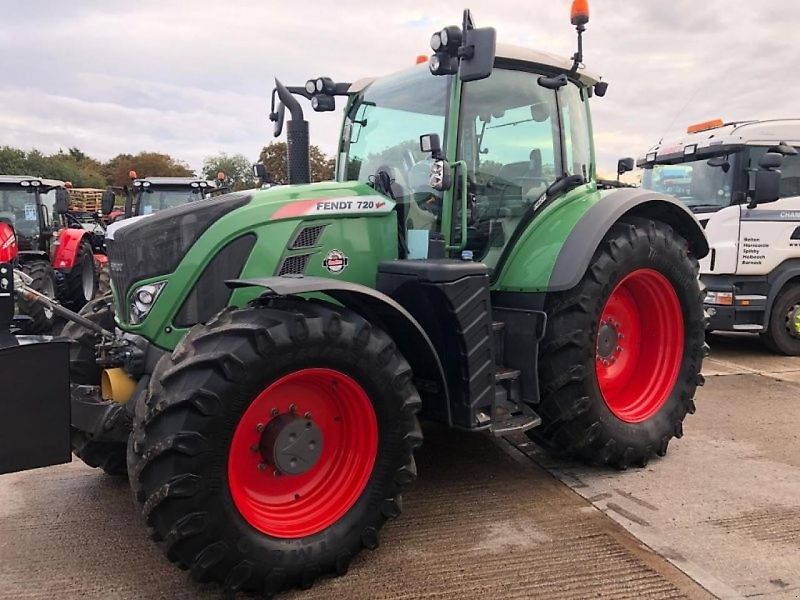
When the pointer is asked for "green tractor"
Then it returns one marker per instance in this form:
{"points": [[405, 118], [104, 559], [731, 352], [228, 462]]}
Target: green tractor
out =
{"points": [[273, 350]]}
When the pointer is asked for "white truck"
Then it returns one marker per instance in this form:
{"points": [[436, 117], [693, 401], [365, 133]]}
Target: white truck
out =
{"points": [[742, 181]]}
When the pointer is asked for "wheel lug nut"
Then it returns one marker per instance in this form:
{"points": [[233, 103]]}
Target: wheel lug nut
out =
{"points": [[276, 473], [619, 349], [307, 415], [275, 412], [262, 466], [260, 427], [292, 408]]}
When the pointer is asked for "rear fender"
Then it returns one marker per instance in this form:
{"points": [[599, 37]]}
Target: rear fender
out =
{"points": [[8, 243], [66, 251], [584, 239], [411, 339]]}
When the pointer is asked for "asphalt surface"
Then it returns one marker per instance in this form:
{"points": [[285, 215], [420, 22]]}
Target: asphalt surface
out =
{"points": [[719, 516]]}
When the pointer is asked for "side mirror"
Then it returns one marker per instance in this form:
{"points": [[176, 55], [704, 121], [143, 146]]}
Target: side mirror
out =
{"points": [[767, 180], [784, 148], [440, 169], [430, 144], [107, 201], [625, 165], [468, 50], [260, 172], [62, 201], [720, 162], [277, 117], [481, 44]]}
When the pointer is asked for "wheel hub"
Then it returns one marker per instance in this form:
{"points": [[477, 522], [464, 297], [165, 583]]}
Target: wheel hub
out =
{"points": [[290, 444], [793, 321], [608, 338]]}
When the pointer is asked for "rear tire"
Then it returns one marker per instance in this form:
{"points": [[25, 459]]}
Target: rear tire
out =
{"points": [[190, 450], [80, 282], [44, 281], [783, 331], [615, 401]]}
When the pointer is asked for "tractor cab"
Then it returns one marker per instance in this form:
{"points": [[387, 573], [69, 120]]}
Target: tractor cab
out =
{"points": [[713, 166], [152, 194], [28, 204]]}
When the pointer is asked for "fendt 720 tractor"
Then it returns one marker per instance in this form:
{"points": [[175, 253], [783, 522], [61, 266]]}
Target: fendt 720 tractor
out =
{"points": [[753, 269], [55, 248], [272, 350]]}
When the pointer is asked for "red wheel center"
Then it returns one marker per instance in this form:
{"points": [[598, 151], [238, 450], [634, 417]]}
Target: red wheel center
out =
{"points": [[302, 453], [639, 345]]}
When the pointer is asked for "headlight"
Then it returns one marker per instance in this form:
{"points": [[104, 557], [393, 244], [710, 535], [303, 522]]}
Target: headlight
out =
{"points": [[143, 300], [721, 298]]}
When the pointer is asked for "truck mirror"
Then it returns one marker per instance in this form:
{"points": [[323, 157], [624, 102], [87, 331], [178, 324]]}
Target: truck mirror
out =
{"points": [[481, 44], [624, 165], [771, 160], [721, 162], [62, 201], [767, 180], [784, 148], [107, 201], [277, 117]]}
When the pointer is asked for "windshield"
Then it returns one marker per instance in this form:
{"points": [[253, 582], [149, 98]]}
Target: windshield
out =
{"points": [[383, 127], [695, 183], [153, 200], [18, 207]]}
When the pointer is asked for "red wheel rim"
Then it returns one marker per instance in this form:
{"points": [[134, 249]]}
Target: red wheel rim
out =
{"points": [[639, 345], [295, 506]]}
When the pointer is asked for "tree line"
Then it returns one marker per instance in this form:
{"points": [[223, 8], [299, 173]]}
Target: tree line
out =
{"points": [[85, 171]]}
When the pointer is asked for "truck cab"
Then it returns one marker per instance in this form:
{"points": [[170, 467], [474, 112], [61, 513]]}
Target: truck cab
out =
{"points": [[752, 271]]}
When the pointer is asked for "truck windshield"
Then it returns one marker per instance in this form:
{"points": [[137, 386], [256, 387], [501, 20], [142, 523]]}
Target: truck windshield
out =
{"points": [[695, 183], [154, 200], [18, 207]]}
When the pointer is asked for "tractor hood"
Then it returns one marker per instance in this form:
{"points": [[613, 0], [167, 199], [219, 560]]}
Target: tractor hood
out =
{"points": [[178, 244]]}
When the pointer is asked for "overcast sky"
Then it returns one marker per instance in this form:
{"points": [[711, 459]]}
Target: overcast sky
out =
{"points": [[192, 78]]}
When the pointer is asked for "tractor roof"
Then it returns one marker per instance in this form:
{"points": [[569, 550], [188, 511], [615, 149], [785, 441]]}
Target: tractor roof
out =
{"points": [[717, 137], [513, 53], [17, 179], [176, 181]]}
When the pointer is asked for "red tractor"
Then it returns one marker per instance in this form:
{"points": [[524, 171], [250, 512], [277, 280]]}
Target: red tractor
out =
{"points": [[54, 247]]}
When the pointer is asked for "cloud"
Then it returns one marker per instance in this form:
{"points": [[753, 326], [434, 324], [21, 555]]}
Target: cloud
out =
{"points": [[194, 78]]}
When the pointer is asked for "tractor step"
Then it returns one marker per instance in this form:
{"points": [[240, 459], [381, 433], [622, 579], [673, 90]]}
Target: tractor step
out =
{"points": [[516, 424], [505, 374]]}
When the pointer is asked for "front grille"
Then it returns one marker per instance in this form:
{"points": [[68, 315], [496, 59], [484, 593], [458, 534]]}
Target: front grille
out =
{"points": [[155, 245], [307, 237], [294, 265]]}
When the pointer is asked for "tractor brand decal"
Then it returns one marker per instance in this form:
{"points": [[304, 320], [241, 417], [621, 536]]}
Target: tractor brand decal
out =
{"points": [[356, 205], [335, 261]]}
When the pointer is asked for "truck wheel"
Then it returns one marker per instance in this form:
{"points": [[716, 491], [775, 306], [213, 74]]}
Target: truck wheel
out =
{"points": [[44, 281], [80, 283], [83, 368], [622, 354], [273, 444], [783, 331]]}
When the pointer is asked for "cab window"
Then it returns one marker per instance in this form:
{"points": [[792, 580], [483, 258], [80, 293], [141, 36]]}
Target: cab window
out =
{"points": [[509, 138], [790, 171], [577, 141]]}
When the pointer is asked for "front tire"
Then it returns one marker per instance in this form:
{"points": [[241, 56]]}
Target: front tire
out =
{"points": [[783, 331], [44, 281], [623, 350], [80, 283], [202, 456]]}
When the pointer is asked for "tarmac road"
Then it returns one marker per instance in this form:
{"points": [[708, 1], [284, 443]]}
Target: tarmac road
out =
{"points": [[720, 514]]}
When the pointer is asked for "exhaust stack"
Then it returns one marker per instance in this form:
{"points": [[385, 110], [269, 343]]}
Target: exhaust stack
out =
{"points": [[296, 137]]}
